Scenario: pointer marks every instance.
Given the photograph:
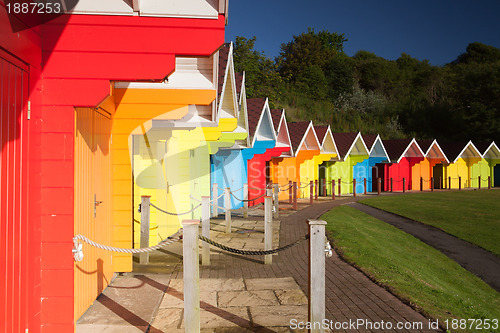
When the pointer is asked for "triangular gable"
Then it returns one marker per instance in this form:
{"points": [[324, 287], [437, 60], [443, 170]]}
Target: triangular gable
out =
{"points": [[395, 148], [377, 148], [433, 150], [328, 143], [469, 151], [369, 140], [492, 151], [242, 107], [325, 138], [358, 147], [412, 150], [309, 140], [259, 120], [282, 133], [228, 101]]}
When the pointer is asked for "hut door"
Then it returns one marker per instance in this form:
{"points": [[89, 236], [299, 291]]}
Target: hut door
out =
{"points": [[92, 203], [268, 172], [16, 232], [322, 178], [377, 171], [496, 175], [437, 173]]}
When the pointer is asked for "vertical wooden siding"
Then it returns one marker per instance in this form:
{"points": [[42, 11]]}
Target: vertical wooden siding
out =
{"points": [[92, 180], [14, 229]]}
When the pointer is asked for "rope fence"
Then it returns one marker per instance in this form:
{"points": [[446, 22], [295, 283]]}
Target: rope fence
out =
{"points": [[252, 252], [174, 214], [78, 249]]}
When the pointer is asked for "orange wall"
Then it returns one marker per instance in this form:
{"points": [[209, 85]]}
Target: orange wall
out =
{"points": [[92, 177]]}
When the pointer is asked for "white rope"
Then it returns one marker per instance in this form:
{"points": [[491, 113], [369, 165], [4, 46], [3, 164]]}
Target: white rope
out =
{"points": [[175, 214], [78, 254], [194, 199]]}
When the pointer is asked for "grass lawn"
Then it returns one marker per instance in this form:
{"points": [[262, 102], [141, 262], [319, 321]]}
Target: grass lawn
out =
{"points": [[437, 285], [473, 216]]}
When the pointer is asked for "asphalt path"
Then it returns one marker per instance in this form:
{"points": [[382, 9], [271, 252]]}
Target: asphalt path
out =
{"points": [[476, 260]]}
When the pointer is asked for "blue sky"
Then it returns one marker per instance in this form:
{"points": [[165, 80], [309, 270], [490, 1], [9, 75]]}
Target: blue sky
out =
{"points": [[437, 30]]}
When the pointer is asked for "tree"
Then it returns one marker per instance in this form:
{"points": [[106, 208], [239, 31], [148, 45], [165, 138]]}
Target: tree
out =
{"points": [[261, 75], [308, 49]]}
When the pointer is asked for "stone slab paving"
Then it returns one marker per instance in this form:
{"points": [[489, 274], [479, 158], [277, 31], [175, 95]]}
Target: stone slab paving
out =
{"points": [[240, 293], [251, 304]]}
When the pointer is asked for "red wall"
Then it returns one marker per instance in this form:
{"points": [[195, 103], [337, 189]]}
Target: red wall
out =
{"points": [[37, 292], [398, 171], [256, 167]]}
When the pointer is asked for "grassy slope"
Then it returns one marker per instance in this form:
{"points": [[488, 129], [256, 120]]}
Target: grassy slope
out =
{"points": [[470, 215], [411, 269]]}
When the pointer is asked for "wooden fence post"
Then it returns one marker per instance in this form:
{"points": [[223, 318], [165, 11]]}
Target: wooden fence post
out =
{"points": [[364, 180], [379, 185], [340, 181], [227, 203], [449, 183], [215, 207], [205, 230], [268, 226], [191, 273], [404, 184], [489, 182], [354, 187], [421, 184], [317, 275], [459, 183], [245, 200], [479, 182], [391, 184], [290, 192], [276, 201], [316, 189], [311, 192], [294, 196], [333, 189], [145, 214]]}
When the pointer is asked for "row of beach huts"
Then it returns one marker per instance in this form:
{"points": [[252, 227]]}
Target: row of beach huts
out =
{"points": [[109, 101]]}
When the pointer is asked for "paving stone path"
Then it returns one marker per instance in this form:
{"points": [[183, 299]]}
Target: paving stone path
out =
{"points": [[476, 260]]}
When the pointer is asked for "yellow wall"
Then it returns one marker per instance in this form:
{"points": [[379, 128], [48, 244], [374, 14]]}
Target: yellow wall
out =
{"points": [[462, 168], [184, 171], [134, 107]]}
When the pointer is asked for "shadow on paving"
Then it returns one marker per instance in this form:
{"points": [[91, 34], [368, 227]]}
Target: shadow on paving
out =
{"points": [[150, 298], [476, 260]]}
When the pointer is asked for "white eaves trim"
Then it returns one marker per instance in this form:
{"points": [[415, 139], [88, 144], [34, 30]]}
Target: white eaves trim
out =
{"points": [[285, 128], [493, 148], [413, 141], [379, 140], [310, 127], [265, 122], [465, 148], [323, 143], [438, 147], [358, 137], [228, 96], [242, 109]]}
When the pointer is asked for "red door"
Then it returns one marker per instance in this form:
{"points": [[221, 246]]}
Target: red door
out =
{"points": [[14, 229]]}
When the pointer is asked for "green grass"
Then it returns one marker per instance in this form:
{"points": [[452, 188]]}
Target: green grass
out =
{"points": [[473, 216], [416, 272]]}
